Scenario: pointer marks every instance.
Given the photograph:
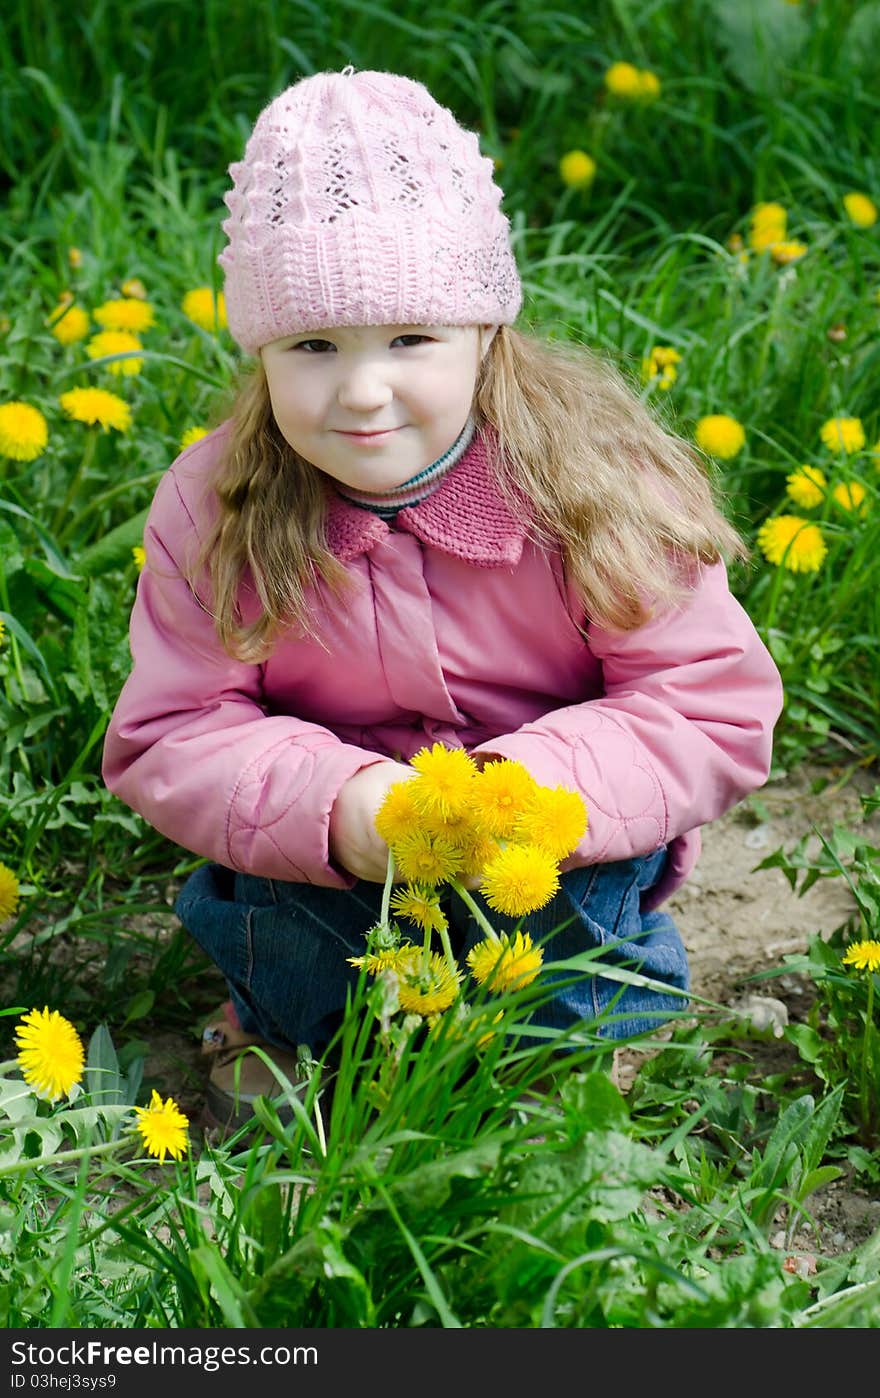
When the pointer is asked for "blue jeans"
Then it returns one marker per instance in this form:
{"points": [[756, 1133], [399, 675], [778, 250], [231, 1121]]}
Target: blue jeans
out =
{"points": [[283, 947]]}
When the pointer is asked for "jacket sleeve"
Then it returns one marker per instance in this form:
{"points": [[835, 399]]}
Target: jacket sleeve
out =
{"points": [[682, 732], [190, 746]]}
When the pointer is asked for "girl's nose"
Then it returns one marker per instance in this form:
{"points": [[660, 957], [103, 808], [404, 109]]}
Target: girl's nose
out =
{"points": [[363, 387]]}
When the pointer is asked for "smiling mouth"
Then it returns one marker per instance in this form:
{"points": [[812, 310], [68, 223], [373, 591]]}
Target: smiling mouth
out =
{"points": [[370, 436]]}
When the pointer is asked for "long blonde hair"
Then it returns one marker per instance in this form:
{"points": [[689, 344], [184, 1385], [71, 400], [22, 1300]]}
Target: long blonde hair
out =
{"points": [[629, 505]]}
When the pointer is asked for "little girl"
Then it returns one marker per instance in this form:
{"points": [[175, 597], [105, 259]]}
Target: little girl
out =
{"points": [[419, 525]]}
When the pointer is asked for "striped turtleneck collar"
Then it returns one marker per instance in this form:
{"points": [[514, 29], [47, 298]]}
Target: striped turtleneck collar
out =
{"points": [[467, 516], [387, 503]]}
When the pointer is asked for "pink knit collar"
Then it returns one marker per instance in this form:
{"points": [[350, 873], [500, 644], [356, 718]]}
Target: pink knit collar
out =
{"points": [[466, 516]]}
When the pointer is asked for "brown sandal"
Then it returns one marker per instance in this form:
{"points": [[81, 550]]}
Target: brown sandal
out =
{"points": [[237, 1077]]}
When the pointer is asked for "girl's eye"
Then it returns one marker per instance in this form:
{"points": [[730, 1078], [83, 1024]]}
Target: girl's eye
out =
{"points": [[409, 340], [315, 346]]}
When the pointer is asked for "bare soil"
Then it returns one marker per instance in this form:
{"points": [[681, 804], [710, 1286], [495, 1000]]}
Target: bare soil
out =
{"points": [[737, 920]]}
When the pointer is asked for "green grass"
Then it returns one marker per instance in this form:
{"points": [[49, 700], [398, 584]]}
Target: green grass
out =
{"points": [[442, 1185], [117, 123]]}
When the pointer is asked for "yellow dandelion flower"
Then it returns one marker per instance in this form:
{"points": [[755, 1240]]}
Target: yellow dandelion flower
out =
{"points": [[668, 378], [793, 542], [461, 829], [720, 435], [767, 226], [419, 905], [650, 369], [162, 1126], [761, 239], [9, 887], [476, 852], [649, 85], [116, 342], [665, 355], [2, 631], [501, 791], [388, 960], [192, 434], [125, 313], [96, 406], [861, 210], [139, 554], [5, 325], [577, 169], [788, 250], [806, 486], [843, 434], [661, 365], [623, 80], [424, 859], [69, 323], [50, 1053], [769, 215], [850, 495], [200, 306], [864, 956], [508, 964], [447, 775], [555, 819], [74, 257], [23, 431], [427, 985], [519, 879], [134, 287], [398, 814]]}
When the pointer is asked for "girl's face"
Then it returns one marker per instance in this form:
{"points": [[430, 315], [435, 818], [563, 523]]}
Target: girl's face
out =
{"points": [[373, 405]]}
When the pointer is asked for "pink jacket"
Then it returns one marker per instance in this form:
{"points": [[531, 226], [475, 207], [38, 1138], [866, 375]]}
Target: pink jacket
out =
{"points": [[460, 631]]}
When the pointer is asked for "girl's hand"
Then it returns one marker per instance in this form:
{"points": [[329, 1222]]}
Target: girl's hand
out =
{"points": [[355, 843]]}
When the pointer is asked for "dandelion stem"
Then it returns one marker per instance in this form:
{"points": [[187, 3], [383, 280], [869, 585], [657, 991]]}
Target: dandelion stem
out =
{"points": [[447, 948], [775, 591], [475, 909], [319, 1126], [426, 951], [386, 891], [863, 1085], [61, 1157], [73, 489]]}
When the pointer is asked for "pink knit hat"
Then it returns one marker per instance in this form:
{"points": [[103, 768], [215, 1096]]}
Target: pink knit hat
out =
{"points": [[361, 201]]}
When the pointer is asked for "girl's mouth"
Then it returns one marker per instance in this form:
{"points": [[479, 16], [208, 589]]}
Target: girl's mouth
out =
{"points": [[366, 439]]}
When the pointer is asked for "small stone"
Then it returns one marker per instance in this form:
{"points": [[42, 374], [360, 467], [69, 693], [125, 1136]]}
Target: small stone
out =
{"points": [[802, 1266], [763, 1013], [758, 837]]}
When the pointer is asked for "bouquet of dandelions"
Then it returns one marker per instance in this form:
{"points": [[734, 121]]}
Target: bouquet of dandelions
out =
{"points": [[455, 824]]}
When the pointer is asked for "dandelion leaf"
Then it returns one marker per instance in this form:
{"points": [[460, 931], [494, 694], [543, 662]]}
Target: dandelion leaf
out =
{"points": [[103, 1078], [858, 50], [114, 549], [594, 1101], [760, 39], [430, 1185]]}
